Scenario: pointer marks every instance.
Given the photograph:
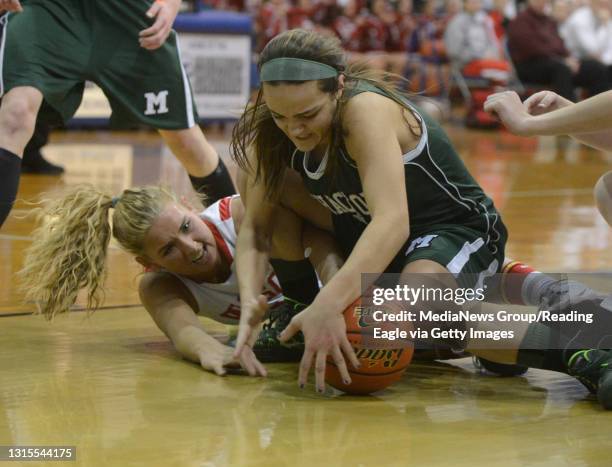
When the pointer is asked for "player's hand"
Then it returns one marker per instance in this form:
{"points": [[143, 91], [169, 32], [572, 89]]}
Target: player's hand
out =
{"points": [[252, 314], [10, 5], [219, 357], [545, 101], [164, 12], [510, 110], [324, 334]]}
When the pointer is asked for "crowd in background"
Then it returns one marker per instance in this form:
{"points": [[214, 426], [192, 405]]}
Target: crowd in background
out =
{"points": [[564, 45]]}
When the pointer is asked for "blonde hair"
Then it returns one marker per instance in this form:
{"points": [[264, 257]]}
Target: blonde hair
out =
{"points": [[68, 250]]}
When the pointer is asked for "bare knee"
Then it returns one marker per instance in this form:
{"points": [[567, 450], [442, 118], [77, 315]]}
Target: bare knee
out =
{"points": [[17, 119], [603, 196]]}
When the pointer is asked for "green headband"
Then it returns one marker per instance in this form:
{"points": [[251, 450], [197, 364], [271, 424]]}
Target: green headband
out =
{"points": [[295, 69]]}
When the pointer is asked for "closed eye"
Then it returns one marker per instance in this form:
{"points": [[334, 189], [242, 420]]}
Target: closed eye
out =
{"points": [[166, 251]]}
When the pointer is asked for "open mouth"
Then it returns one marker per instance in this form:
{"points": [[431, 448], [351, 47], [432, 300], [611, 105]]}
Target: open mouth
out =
{"points": [[200, 256]]}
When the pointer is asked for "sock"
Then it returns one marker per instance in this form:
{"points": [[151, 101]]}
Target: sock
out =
{"points": [[542, 347], [297, 279], [10, 169], [215, 185], [520, 283]]}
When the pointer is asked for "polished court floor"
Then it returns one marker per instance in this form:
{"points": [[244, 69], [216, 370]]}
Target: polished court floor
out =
{"points": [[112, 385]]}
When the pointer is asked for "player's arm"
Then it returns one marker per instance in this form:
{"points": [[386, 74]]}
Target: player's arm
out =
{"points": [[252, 253], [172, 308], [10, 5], [373, 143], [371, 124], [163, 13], [547, 113]]}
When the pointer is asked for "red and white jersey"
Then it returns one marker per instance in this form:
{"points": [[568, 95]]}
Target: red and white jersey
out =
{"points": [[221, 302]]}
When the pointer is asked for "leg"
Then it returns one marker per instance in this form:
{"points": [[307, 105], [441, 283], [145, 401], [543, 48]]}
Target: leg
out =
{"points": [[207, 171], [297, 278], [17, 118], [593, 76], [603, 196], [549, 72], [33, 161], [529, 344], [297, 247]]}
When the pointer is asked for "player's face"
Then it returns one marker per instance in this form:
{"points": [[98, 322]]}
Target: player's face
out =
{"points": [[303, 112], [180, 242]]}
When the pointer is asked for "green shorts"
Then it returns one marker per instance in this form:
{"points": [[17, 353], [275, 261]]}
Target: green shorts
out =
{"points": [[56, 45], [468, 254]]}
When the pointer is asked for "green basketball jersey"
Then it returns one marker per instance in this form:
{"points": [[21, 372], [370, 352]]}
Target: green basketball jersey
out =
{"points": [[441, 192]]}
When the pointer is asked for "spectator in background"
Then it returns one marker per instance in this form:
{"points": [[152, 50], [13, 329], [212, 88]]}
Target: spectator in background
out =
{"points": [[452, 7], [299, 15], [471, 42], [271, 20], [540, 56], [401, 30], [587, 32], [475, 50], [324, 13], [349, 28], [497, 13], [561, 10], [432, 76], [374, 34]]}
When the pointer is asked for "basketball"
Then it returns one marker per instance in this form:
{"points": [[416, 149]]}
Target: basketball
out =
{"points": [[383, 361]]}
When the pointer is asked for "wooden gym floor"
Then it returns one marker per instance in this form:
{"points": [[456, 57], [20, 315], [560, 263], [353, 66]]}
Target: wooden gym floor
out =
{"points": [[113, 386]]}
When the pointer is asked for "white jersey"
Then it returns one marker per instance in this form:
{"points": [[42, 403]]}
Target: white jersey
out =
{"points": [[221, 302]]}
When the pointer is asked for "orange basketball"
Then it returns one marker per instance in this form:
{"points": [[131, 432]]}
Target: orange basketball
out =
{"points": [[383, 361]]}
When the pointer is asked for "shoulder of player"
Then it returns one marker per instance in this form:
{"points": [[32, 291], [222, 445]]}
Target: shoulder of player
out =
{"points": [[159, 286], [369, 108]]}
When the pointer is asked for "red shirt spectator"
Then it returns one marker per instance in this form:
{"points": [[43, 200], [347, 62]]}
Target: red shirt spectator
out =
{"points": [[534, 35], [349, 26], [272, 20], [299, 16]]}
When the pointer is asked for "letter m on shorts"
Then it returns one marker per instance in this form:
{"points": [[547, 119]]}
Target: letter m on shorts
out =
{"points": [[156, 103], [421, 242]]}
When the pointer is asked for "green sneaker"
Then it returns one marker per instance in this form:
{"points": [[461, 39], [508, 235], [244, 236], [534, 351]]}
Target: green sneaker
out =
{"points": [[268, 348], [593, 368]]}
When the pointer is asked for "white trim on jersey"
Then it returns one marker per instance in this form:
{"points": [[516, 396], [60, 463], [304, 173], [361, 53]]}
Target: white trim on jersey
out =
{"points": [[4, 26], [460, 199], [456, 265], [320, 170], [414, 153], [186, 86]]}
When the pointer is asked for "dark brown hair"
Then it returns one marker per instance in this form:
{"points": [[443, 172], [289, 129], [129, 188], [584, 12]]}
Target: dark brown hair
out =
{"points": [[256, 130]]}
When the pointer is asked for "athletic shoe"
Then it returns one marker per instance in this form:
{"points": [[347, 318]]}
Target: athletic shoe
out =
{"points": [[35, 163], [593, 368], [268, 348]]}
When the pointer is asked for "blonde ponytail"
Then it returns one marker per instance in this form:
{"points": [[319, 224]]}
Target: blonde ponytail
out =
{"points": [[68, 250]]}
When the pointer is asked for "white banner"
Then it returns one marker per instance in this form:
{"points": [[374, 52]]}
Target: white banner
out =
{"points": [[218, 66]]}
